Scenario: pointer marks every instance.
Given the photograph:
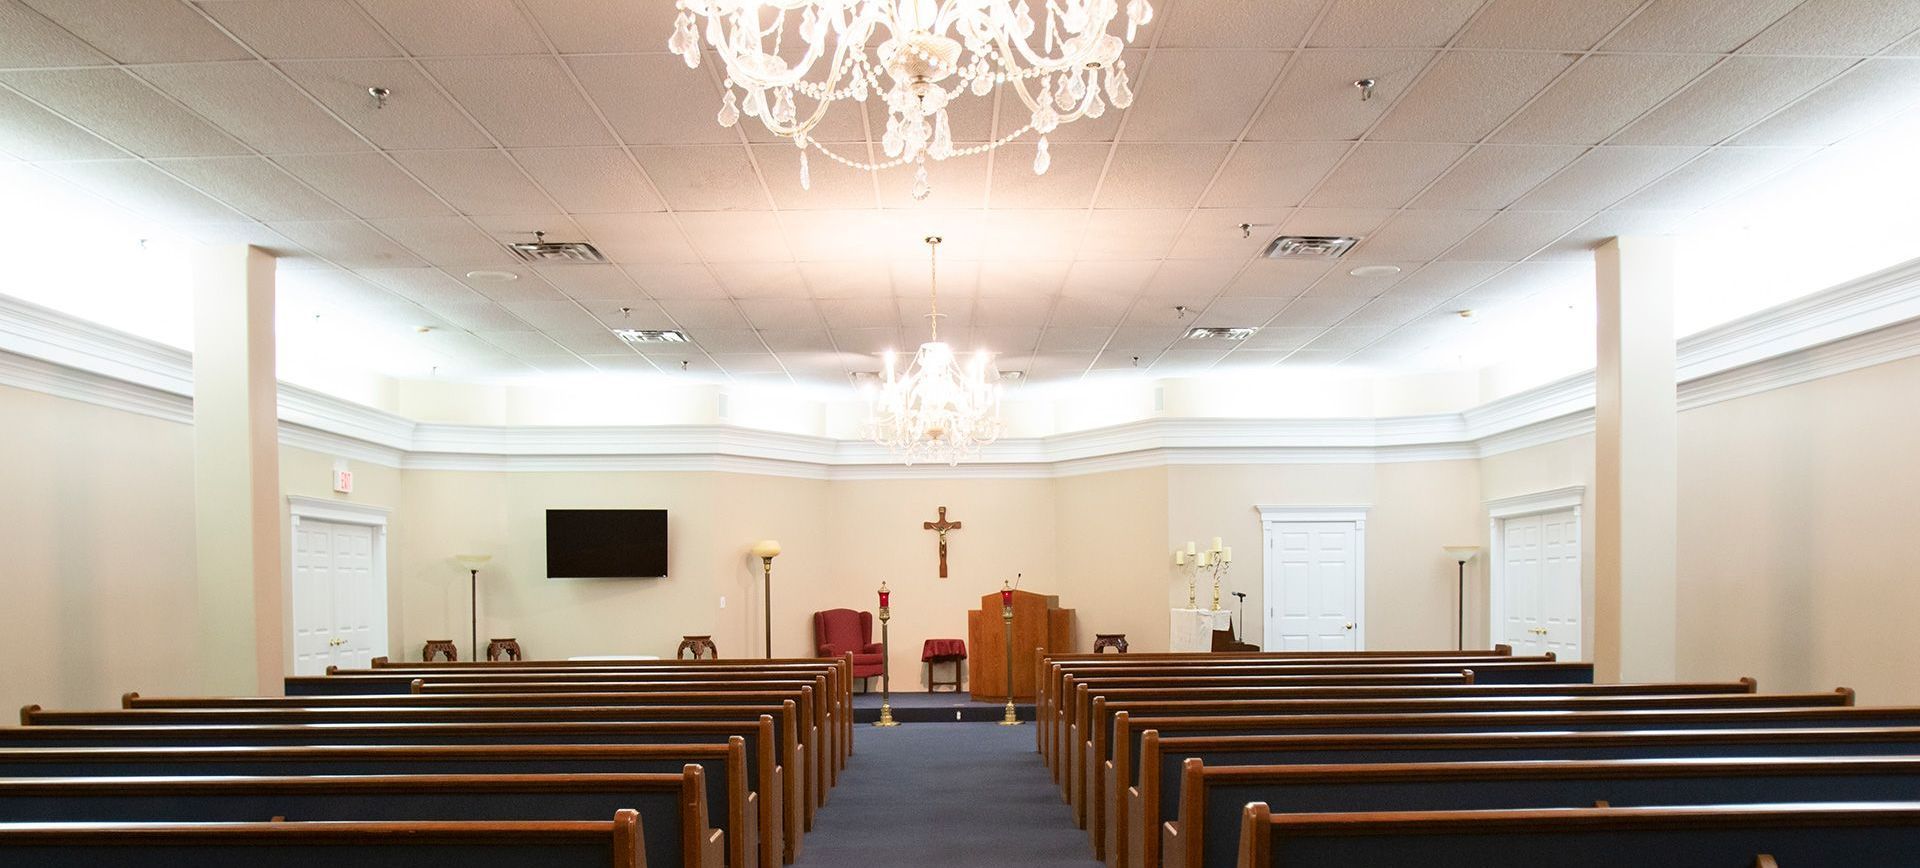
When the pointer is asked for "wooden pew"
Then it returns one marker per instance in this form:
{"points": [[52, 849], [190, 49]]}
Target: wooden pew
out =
{"points": [[594, 844], [673, 808], [1163, 760], [1858, 835], [729, 796], [1099, 791], [1211, 798], [780, 822]]}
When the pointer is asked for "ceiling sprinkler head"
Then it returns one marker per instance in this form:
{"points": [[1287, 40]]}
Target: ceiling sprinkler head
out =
{"points": [[1366, 88], [379, 95]]}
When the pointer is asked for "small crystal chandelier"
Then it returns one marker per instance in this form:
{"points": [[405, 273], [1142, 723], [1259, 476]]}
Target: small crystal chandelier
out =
{"points": [[938, 410], [1070, 57]]}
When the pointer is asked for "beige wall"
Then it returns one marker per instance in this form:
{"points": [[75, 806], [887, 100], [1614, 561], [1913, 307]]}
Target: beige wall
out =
{"points": [[97, 588], [1113, 555]]}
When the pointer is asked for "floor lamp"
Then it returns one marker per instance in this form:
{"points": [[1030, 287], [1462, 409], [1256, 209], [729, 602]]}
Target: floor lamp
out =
{"points": [[1462, 554], [766, 550], [473, 563]]}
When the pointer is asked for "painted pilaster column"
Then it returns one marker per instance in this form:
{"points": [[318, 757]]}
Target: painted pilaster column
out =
{"points": [[1636, 492], [236, 471]]}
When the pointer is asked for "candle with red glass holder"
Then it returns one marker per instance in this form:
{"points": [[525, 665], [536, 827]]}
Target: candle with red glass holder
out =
{"points": [[1006, 614], [886, 678]]}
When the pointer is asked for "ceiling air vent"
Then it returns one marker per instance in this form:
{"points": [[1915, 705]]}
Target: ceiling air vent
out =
{"points": [[1216, 333], [1311, 246], [651, 336], [540, 250]]}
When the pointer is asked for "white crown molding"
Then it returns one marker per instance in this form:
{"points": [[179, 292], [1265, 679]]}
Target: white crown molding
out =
{"points": [[1570, 497], [1865, 322]]}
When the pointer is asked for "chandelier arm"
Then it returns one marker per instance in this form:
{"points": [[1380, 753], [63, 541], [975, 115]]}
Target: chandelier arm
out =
{"points": [[802, 127]]}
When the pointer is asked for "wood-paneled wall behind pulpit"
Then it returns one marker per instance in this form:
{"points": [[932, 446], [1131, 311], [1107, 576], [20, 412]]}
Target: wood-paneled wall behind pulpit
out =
{"points": [[1038, 624]]}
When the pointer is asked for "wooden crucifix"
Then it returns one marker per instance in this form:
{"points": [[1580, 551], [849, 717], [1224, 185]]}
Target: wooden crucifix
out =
{"points": [[943, 525]]}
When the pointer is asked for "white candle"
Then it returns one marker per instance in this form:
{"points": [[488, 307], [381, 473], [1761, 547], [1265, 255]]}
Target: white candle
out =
{"points": [[1190, 549], [1226, 554], [1179, 558], [1216, 544]]}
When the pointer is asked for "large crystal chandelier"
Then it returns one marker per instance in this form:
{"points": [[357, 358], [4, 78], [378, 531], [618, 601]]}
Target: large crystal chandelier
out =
{"points": [[938, 410], [789, 61]]}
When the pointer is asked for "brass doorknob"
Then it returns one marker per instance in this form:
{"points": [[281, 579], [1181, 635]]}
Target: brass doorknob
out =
{"points": [[1349, 625]]}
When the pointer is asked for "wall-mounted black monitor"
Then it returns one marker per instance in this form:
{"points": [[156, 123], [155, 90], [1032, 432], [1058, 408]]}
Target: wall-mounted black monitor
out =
{"points": [[606, 543]]}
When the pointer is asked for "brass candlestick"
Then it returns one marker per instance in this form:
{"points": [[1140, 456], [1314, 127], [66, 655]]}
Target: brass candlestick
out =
{"points": [[1006, 613], [886, 665]]}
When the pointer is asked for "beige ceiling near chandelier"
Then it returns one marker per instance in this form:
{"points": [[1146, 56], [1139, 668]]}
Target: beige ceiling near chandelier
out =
{"points": [[1502, 139]]}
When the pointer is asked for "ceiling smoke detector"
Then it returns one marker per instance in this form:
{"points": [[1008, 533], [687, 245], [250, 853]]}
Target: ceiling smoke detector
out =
{"points": [[1310, 246], [1210, 333], [540, 250], [651, 336]]}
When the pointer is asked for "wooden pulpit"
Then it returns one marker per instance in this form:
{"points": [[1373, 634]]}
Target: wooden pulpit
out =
{"points": [[1038, 622]]}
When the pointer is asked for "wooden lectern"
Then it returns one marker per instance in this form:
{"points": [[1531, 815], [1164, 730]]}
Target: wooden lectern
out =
{"points": [[1038, 622]]}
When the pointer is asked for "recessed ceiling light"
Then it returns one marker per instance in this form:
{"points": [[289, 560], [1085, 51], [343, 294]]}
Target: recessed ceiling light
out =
{"points": [[1237, 333], [1375, 271], [1467, 314], [492, 275], [651, 336]]}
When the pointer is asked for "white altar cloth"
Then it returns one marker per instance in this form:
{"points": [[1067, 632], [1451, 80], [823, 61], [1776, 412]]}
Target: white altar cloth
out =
{"points": [[1192, 629]]}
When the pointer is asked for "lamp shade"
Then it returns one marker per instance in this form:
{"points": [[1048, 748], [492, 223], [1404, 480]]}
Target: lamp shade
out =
{"points": [[766, 548], [1462, 553], [472, 562]]}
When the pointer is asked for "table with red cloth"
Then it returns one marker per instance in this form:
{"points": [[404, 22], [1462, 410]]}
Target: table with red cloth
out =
{"points": [[936, 651]]}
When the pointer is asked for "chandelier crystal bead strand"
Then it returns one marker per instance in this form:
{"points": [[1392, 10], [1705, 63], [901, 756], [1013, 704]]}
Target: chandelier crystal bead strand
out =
{"points": [[939, 409], [789, 61]]}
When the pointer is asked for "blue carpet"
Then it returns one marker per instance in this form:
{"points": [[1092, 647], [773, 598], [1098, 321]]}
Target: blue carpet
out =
{"points": [[945, 795]]}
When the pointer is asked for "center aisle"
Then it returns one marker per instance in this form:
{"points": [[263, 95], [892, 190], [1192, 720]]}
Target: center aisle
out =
{"points": [[945, 795]]}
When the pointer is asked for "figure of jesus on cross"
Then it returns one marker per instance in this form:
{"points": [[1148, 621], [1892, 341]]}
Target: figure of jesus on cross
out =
{"points": [[943, 525]]}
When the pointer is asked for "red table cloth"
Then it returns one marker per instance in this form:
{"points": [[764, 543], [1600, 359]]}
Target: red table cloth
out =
{"points": [[943, 650]]}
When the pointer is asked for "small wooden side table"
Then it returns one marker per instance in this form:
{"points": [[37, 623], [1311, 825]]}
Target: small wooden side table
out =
{"points": [[701, 646], [937, 651], [442, 647], [507, 648], [1116, 641]]}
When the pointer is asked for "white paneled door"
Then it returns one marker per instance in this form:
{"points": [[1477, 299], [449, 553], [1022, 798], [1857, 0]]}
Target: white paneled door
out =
{"points": [[339, 601], [1539, 583], [1313, 586]]}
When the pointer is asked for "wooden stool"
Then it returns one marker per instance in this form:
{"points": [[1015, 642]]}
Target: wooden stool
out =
{"points": [[701, 646], [498, 648], [936, 651], [1116, 641], [442, 647]]}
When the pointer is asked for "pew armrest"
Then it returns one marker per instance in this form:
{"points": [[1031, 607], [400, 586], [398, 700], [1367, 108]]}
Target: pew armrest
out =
{"points": [[713, 850], [1173, 851], [1135, 849]]}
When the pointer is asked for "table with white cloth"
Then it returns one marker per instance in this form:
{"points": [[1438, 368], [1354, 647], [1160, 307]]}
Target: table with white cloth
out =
{"points": [[1192, 629]]}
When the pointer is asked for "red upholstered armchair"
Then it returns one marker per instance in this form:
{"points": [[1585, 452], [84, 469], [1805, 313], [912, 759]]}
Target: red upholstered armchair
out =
{"points": [[838, 632]]}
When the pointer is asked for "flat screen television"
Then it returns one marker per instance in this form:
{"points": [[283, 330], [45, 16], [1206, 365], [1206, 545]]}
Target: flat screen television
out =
{"points": [[606, 543]]}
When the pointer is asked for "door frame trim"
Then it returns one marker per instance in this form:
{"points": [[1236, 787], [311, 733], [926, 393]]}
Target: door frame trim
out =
{"points": [[1271, 515], [1570, 497], [301, 507]]}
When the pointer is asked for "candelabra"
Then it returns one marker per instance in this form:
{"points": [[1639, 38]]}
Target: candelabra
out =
{"points": [[1219, 567], [1006, 613], [886, 666], [1188, 564]]}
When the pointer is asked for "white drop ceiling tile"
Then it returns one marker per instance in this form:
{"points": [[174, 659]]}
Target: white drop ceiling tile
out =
{"points": [[958, 183], [1215, 233], [1317, 102], [523, 101], [1690, 25], [428, 286], [1090, 311], [1144, 339], [1579, 245], [1334, 221], [1418, 235], [1467, 94], [1134, 233], [554, 316], [830, 185], [654, 99], [557, 364], [477, 182], [1003, 340], [1528, 279], [416, 115], [1040, 234], [997, 312], [791, 338], [252, 102], [249, 232], [116, 106], [1166, 312], [590, 180], [1838, 27], [1375, 23], [527, 289], [1599, 96], [1739, 92], [1391, 311], [1603, 176], [1108, 278], [1192, 281], [868, 341], [704, 178], [1067, 339], [1189, 360], [290, 29], [854, 279], [1231, 24], [1273, 174], [1384, 174], [447, 241], [1348, 338], [637, 238], [255, 187], [1242, 359], [663, 280], [1068, 183], [1158, 175], [862, 313], [1321, 312], [1859, 99], [521, 342], [30, 132], [1546, 24], [1717, 175], [1512, 236], [1233, 82], [602, 26], [1908, 48], [456, 27], [348, 243], [593, 342], [736, 236], [366, 184], [848, 236], [1278, 278], [144, 190], [1438, 280], [1278, 339], [29, 39], [478, 316], [695, 313], [783, 315], [1494, 175], [846, 124], [750, 363], [761, 280], [1241, 312], [1014, 114], [1340, 282], [622, 363], [1022, 279], [143, 31]]}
